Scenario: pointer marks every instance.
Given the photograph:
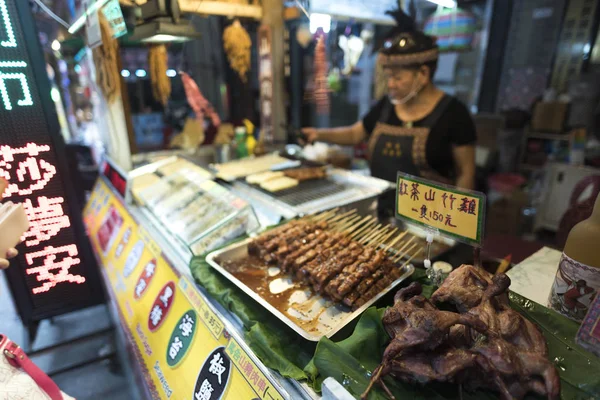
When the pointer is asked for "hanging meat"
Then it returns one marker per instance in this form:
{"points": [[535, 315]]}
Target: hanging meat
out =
{"points": [[198, 102], [158, 60], [237, 44], [486, 345], [105, 61], [321, 90]]}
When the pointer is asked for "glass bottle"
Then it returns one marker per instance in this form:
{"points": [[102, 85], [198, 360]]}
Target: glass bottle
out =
{"points": [[577, 280]]}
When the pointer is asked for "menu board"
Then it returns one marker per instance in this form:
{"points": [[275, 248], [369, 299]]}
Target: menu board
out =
{"points": [[184, 347]]}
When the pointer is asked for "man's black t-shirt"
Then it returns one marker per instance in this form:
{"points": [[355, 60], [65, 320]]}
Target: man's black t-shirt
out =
{"points": [[454, 127]]}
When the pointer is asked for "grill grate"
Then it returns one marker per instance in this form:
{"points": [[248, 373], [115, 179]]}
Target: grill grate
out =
{"points": [[307, 191]]}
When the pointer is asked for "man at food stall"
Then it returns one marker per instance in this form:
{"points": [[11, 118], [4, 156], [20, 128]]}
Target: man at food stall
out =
{"points": [[417, 128]]}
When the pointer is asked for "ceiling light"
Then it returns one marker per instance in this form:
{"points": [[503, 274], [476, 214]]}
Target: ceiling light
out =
{"points": [[55, 94], [163, 31], [320, 21], [444, 3], [125, 73], [162, 38], [55, 45], [140, 73]]}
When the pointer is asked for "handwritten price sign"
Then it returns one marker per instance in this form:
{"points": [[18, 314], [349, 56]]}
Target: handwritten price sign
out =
{"points": [[459, 214]]}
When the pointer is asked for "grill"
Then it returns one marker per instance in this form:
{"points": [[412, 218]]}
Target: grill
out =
{"points": [[307, 191], [341, 188]]}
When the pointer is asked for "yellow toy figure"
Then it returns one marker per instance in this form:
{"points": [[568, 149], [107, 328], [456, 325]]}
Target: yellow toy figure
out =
{"points": [[250, 140]]}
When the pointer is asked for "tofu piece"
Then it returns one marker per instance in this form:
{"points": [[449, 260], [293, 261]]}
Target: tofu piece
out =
{"points": [[143, 182], [257, 179], [278, 184]]}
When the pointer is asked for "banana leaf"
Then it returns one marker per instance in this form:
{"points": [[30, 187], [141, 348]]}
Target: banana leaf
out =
{"points": [[351, 360], [277, 346]]}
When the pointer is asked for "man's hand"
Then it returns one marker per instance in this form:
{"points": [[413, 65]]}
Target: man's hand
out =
{"points": [[310, 134], [11, 253]]}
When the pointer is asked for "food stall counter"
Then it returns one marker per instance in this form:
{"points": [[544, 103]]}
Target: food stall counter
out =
{"points": [[183, 343]]}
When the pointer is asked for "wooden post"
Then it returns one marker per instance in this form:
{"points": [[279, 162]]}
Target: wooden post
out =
{"points": [[273, 17]]}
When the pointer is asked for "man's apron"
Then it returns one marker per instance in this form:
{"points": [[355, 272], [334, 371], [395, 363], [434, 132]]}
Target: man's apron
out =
{"points": [[394, 149]]}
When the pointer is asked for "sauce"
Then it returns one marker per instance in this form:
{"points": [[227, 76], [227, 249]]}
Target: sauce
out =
{"points": [[294, 299]]}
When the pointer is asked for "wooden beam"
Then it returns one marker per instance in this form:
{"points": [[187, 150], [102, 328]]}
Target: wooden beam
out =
{"points": [[221, 8], [273, 17]]}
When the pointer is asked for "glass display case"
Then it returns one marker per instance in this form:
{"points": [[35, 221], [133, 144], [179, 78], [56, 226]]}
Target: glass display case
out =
{"points": [[200, 213]]}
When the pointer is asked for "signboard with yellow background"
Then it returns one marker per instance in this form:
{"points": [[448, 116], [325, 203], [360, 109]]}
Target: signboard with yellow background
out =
{"points": [[185, 349], [459, 214]]}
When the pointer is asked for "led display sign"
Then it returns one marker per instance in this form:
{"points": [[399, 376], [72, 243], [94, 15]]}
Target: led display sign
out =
{"points": [[54, 272]]}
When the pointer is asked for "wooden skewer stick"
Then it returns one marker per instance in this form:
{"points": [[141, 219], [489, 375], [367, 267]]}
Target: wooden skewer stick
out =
{"points": [[386, 237], [358, 224], [400, 251], [404, 254], [368, 232], [377, 237], [323, 215], [339, 221], [366, 226], [348, 223], [372, 233], [345, 221], [411, 257], [341, 216], [396, 240]]}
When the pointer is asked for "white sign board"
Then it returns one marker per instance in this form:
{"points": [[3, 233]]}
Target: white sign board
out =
{"points": [[369, 10], [92, 26]]}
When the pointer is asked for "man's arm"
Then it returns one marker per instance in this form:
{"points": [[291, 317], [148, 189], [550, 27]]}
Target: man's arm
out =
{"points": [[345, 136], [464, 159]]}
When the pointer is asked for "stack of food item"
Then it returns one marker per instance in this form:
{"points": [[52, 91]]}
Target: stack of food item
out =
{"points": [[247, 166], [485, 344], [201, 213], [344, 260], [276, 181]]}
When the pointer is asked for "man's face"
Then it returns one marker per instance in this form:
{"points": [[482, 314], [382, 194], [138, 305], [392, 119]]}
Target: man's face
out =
{"points": [[401, 82]]}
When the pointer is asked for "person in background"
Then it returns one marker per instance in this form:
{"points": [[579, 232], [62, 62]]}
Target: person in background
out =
{"points": [[417, 128], [11, 253]]}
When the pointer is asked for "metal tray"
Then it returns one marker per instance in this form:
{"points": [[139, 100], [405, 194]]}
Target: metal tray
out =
{"points": [[338, 315], [306, 191]]}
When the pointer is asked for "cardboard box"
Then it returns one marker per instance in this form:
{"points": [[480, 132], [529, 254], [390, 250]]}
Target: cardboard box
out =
{"points": [[549, 117], [505, 215]]}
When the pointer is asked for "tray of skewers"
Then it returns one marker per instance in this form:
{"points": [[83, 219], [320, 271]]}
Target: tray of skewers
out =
{"points": [[318, 273]]}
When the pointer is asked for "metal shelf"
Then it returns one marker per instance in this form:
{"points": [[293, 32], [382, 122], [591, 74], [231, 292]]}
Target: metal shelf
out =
{"points": [[548, 136], [532, 168]]}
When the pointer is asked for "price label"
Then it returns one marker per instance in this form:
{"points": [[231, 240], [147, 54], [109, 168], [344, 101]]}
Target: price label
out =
{"points": [[453, 212]]}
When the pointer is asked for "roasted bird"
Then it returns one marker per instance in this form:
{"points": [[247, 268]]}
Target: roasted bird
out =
{"points": [[488, 345], [464, 288], [415, 324], [512, 326]]}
